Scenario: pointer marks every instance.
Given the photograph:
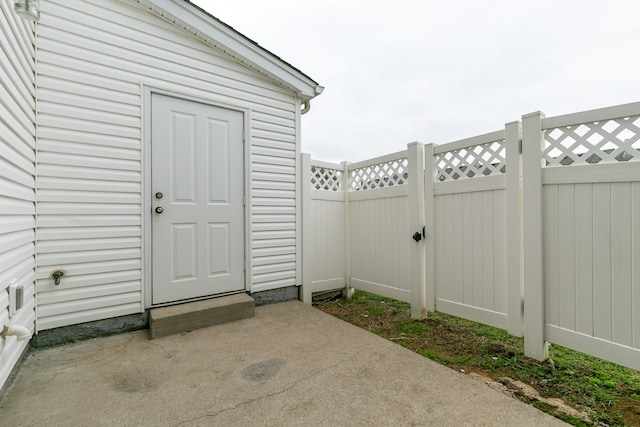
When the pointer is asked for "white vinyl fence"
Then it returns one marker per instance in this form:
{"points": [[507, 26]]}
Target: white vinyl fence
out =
{"points": [[378, 197], [475, 211], [323, 234], [534, 229], [355, 214], [582, 232]]}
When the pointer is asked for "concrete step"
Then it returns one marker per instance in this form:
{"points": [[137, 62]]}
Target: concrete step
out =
{"points": [[186, 317]]}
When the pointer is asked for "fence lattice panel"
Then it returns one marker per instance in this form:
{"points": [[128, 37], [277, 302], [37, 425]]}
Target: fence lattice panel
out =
{"points": [[607, 141], [328, 179], [469, 162], [386, 174]]}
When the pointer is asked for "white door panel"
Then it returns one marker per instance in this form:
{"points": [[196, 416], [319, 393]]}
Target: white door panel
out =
{"points": [[197, 181]]}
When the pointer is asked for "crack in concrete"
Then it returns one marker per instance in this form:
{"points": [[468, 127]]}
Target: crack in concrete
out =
{"points": [[266, 396]]}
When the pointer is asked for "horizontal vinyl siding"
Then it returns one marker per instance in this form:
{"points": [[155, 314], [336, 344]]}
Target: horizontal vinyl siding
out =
{"points": [[273, 221], [17, 177], [93, 57]]}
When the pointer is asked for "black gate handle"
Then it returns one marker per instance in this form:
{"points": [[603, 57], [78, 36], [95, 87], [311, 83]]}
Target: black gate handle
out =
{"points": [[417, 236]]}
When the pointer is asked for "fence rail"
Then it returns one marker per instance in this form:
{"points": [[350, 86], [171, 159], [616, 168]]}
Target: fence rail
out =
{"points": [[534, 228]]}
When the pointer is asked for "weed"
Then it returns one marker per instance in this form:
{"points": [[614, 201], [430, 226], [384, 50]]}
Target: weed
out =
{"points": [[377, 310], [594, 381]]}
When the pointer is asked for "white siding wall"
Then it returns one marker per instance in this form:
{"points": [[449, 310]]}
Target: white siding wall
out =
{"points": [[17, 176], [93, 58]]}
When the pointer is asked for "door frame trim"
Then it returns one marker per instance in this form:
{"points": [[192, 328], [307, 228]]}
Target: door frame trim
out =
{"points": [[147, 90]]}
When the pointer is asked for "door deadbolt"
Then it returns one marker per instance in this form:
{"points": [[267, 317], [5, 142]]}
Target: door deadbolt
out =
{"points": [[159, 210], [158, 195]]}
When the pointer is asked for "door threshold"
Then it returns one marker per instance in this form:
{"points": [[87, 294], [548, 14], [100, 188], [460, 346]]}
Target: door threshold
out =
{"points": [[188, 300]]}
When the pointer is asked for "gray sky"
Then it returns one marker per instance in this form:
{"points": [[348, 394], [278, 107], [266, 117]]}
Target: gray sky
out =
{"points": [[437, 71]]}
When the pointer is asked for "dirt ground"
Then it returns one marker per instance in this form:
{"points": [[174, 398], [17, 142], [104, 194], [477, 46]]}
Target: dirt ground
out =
{"points": [[552, 385]]}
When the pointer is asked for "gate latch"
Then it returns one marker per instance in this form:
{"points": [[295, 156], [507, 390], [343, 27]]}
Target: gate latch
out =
{"points": [[417, 236]]}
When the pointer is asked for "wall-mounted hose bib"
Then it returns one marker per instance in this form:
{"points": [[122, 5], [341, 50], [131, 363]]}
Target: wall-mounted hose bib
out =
{"points": [[27, 9], [20, 332], [56, 276]]}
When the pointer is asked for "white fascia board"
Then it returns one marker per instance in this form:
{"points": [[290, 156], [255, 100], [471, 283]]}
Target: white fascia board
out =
{"points": [[212, 31]]}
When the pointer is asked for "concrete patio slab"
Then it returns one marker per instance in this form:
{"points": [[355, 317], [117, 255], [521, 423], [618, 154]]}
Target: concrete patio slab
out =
{"points": [[289, 365]]}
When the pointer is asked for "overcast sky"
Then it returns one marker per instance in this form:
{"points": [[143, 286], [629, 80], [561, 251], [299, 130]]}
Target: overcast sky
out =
{"points": [[437, 71]]}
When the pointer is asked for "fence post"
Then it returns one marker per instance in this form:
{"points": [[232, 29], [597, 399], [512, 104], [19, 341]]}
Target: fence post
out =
{"points": [[346, 182], [415, 157], [532, 146], [430, 232], [515, 291], [307, 229]]}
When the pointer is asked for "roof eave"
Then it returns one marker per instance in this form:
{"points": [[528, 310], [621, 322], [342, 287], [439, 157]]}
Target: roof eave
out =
{"points": [[214, 32]]}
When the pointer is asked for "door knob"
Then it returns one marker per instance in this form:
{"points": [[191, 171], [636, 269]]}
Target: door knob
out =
{"points": [[159, 210]]}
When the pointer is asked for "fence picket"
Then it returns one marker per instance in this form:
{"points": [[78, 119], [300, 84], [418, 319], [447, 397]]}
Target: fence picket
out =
{"points": [[635, 262], [584, 258]]}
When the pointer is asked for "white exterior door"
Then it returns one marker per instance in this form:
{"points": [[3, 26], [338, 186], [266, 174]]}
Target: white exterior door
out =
{"points": [[197, 170]]}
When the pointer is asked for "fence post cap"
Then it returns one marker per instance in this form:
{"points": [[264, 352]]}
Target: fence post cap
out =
{"points": [[535, 113]]}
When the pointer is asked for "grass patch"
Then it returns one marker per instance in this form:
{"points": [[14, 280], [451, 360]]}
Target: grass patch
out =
{"points": [[608, 393]]}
